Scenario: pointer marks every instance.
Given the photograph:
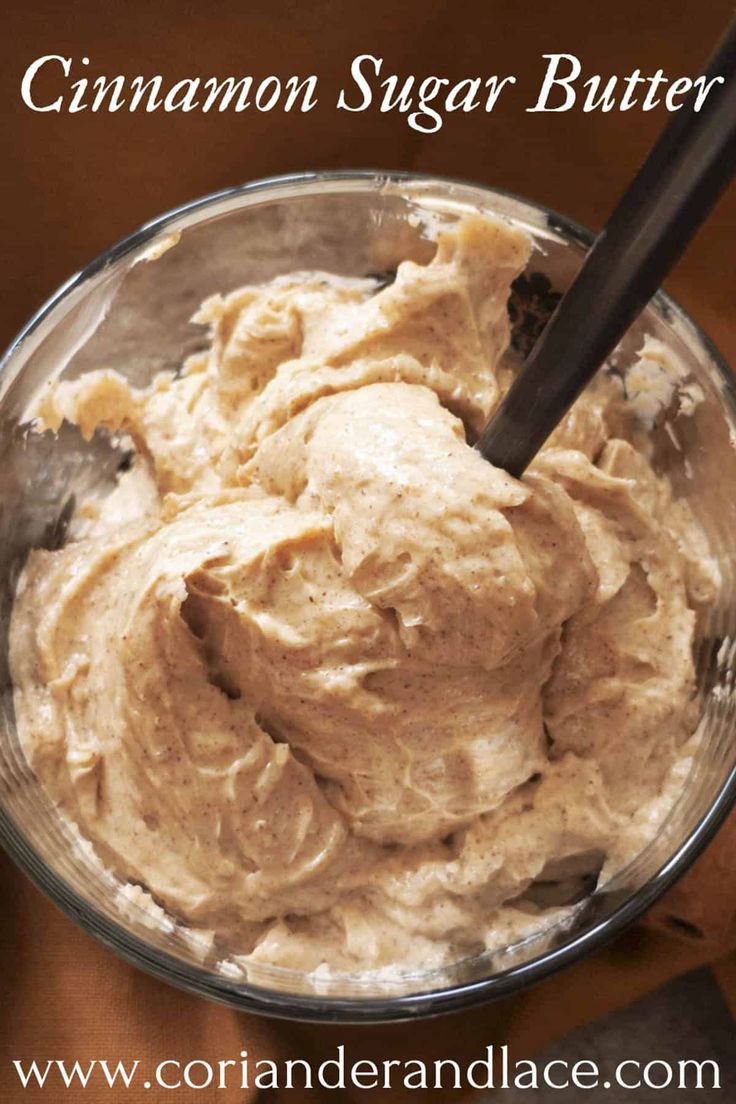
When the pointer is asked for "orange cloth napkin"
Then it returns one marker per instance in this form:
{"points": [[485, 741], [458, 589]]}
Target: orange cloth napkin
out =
{"points": [[71, 184]]}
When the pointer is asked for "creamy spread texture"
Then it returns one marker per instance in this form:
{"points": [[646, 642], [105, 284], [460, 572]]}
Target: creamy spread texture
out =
{"points": [[321, 679]]}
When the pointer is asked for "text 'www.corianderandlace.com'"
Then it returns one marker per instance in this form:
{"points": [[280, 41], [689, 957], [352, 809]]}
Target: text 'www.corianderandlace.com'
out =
{"points": [[493, 1069]]}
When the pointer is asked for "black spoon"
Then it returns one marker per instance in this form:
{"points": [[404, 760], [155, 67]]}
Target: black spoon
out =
{"points": [[681, 180]]}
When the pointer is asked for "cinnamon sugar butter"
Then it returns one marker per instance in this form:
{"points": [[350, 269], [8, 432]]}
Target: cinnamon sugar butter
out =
{"points": [[319, 677]]}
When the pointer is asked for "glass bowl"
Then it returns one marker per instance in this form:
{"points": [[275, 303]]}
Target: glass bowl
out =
{"points": [[130, 310]]}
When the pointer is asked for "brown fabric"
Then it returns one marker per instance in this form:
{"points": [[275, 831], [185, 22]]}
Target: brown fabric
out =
{"points": [[702, 906], [73, 184]]}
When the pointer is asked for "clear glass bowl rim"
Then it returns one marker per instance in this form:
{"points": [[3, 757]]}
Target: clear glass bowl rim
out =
{"points": [[355, 1010]]}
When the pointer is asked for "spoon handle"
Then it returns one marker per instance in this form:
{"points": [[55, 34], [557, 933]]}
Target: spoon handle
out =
{"points": [[680, 181]]}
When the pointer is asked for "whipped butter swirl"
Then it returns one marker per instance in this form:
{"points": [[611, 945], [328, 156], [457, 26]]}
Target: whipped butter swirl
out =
{"points": [[320, 678]]}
